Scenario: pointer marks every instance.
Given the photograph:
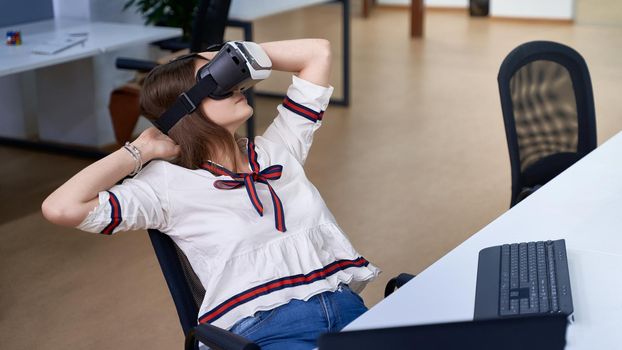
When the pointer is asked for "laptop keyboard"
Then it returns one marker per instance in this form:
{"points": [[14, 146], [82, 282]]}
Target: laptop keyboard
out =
{"points": [[533, 278]]}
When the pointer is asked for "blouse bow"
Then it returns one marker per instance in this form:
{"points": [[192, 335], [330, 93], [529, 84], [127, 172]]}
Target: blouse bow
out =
{"points": [[248, 180]]}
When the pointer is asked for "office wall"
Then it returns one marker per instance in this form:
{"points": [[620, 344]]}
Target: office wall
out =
{"points": [[435, 3], [79, 9], [16, 12], [549, 9], [601, 12], [96, 10]]}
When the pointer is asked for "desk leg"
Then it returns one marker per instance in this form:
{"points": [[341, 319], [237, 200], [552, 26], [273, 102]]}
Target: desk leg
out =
{"points": [[416, 18], [346, 54]]}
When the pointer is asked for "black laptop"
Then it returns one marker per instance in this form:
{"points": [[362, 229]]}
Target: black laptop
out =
{"points": [[536, 332], [522, 301]]}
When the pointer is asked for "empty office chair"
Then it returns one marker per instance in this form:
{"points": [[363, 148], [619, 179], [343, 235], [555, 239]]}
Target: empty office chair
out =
{"points": [[548, 112], [188, 292]]}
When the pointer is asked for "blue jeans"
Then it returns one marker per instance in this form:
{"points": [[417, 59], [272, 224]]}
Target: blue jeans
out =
{"points": [[297, 324]]}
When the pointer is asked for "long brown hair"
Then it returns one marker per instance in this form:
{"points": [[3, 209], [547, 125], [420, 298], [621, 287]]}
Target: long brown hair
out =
{"points": [[198, 136]]}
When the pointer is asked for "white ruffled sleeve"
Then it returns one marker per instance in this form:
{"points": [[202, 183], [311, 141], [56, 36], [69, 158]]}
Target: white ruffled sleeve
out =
{"points": [[299, 116], [137, 203]]}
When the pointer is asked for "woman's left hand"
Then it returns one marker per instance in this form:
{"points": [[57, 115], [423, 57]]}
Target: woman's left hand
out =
{"points": [[153, 144]]}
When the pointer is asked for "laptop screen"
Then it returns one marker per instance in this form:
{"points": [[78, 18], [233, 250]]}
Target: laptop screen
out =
{"points": [[534, 333]]}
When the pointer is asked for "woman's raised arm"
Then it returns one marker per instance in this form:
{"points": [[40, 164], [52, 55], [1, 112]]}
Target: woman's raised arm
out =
{"points": [[310, 59], [71, 202]]}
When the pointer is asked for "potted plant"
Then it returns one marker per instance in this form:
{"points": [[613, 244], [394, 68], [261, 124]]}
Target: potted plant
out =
{"points": [[168, 13]]}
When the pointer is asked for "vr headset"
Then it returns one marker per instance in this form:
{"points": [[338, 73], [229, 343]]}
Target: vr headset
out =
{"points": [[236, 67]]}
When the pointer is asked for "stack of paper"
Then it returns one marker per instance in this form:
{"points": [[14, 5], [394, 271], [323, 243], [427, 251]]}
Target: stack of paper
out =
{"points": [[57, 45]]}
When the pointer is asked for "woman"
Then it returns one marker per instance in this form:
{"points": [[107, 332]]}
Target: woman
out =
{"points": [[279, 274]]}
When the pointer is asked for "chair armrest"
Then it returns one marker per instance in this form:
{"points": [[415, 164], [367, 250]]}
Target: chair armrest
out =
{"points": [[134, 64], [526, 192], [218, 339], [396, 282]]}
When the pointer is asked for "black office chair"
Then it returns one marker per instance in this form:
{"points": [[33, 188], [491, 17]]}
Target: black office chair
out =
{"points": [[188, 292], [548, 111], [208, 28]]}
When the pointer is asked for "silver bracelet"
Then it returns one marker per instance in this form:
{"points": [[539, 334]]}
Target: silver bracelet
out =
{"points": [[138, 161]]}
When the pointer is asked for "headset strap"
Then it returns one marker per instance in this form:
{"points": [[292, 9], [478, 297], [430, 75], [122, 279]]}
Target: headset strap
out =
{"points": [[186, 103]]}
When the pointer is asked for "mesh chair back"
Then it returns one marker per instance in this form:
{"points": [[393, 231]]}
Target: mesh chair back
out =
{"points": [[184, 285], [548, 111], [545, 111], [196, 288]]}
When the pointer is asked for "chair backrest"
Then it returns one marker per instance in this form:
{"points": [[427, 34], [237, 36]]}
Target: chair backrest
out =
{"points": [[209, 24], [207, 27], [184, 285], [548, 111]]}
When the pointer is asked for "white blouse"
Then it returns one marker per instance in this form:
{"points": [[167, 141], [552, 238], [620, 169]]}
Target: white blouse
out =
{"points": [[255, 240]]}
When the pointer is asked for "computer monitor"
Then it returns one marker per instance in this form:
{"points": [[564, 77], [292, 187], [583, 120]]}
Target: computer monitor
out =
{"points": [[533, 333]]}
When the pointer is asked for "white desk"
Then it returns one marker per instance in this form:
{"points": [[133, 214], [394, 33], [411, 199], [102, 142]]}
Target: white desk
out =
{"points": [[102, 37], [70, 92], [582, 205]]}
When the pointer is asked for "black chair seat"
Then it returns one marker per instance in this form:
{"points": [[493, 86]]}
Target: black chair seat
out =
{"points": [[135, 64], [173, 44], [545, 169]]}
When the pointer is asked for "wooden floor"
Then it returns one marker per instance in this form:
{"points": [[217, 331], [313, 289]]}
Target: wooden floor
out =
{"points": [[413, 167]]}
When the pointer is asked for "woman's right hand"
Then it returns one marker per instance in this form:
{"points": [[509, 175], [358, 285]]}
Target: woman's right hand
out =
{"points": [[153, 144], [73, 200]]}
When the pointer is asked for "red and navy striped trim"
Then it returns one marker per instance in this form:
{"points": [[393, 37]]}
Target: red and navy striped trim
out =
{"points": [[247, 180], [278, 284], [218, 170], [302, 111], [115, 214], [279, 212], [252, 157]]}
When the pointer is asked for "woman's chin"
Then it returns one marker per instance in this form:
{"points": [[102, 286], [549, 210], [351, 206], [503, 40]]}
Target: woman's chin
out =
{"points": [[244, 119], [248, 114]]}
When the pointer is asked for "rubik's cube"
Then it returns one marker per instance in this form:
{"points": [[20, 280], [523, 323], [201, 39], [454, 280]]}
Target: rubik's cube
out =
{"points": [[13, 38]]}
